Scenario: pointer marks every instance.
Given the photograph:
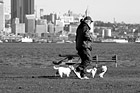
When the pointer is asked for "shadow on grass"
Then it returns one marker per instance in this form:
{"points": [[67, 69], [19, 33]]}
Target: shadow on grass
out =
{"points": [[56, 77], [37, 77]]}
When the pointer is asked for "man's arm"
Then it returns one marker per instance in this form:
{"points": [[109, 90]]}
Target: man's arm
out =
{"points": [[87, 34]]}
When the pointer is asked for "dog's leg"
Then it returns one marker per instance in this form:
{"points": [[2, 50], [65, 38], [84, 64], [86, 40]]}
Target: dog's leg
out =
{"points": [[61, 74], [101, 75], [68, 74], [104, 71], [94, 72]]}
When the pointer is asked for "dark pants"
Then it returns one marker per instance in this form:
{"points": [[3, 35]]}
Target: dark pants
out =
{"points": [[86, 58]]}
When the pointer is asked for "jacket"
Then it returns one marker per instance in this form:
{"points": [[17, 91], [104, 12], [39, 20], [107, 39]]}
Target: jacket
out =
{"points": [[83, 36]]}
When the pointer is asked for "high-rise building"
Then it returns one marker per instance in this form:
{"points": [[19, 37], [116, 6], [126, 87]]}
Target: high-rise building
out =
{"points": [[1, 15], [41, 13], [19, 8], [50, 27], [28, 6], [17, 27], [30, 24]]}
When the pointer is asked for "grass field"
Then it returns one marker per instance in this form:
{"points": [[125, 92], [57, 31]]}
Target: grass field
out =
{"points": [[27, 68]]}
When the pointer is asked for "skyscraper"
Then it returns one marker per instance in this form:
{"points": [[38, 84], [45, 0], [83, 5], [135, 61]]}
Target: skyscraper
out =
{"points": [[1, 16], [30, 24], [28, 6], [19, 8]]}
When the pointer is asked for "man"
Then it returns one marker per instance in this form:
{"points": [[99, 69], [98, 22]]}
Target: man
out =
{"points": [[83, 46]]}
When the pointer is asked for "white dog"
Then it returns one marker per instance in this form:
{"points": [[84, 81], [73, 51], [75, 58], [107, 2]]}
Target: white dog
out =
{"points": [[99, 70], [63, 70]]}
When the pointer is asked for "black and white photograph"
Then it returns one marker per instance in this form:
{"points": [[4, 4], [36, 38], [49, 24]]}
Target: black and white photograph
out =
{"points": [[69, 46]]}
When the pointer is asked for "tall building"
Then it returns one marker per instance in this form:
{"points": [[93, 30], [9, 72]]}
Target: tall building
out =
{"points": [[1, 15], [17, 27], [30, 24], [50, 27], [28, 6], [41, 13], [87, 12], [19, 8]]}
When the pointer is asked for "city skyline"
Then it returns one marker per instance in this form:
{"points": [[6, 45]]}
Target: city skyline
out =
{"points": [[102, 10]]}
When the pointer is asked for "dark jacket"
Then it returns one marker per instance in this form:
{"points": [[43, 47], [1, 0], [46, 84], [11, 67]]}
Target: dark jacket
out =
{"points": [[83, 36]]}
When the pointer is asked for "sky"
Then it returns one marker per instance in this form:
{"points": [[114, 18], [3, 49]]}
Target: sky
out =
{"points": [[102, 10]]}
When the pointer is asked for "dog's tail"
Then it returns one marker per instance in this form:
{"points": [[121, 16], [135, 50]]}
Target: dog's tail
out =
{"points": [[55, 67]]}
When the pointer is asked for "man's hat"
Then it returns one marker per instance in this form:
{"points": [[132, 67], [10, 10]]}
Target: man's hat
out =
{"points": [[88, 18]]}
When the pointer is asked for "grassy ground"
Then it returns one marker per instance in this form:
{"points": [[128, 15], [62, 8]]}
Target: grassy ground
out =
{"points": [[27, 68], [42, 80]]}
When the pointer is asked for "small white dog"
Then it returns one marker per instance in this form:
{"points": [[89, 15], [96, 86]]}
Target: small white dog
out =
{"points": [[99, 70], [63, 70]]}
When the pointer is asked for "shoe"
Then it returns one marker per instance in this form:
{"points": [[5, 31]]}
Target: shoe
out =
{"points": [[85, 77]]}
